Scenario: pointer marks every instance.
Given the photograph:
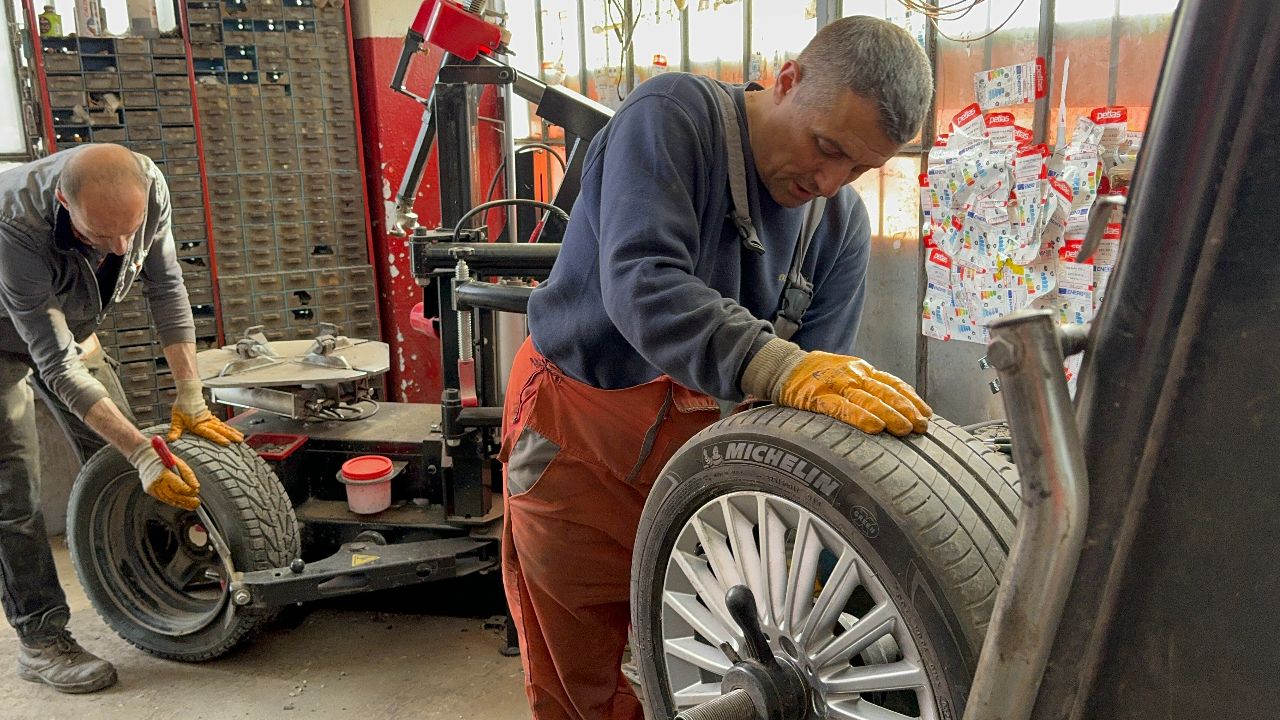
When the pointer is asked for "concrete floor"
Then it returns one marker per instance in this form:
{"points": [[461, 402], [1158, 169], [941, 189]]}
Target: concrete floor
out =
{"points": [[423, 653]]}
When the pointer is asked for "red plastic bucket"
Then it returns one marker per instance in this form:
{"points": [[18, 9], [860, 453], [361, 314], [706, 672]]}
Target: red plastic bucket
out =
{"points": [[368, 481]]}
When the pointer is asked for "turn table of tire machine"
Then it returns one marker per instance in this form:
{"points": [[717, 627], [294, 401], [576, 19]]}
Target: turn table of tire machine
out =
{"points": [[306, 409]]}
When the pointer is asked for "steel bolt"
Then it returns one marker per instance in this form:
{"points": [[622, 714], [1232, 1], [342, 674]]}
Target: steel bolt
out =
{"points": [[241, 597], [1002, 354]]}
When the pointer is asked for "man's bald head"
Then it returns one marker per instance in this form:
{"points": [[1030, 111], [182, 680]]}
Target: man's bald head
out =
{"points": [[103, 169], [104, 188]]}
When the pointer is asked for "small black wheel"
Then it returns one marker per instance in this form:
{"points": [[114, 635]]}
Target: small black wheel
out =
{"points": [[873, 561], [151, 571]]}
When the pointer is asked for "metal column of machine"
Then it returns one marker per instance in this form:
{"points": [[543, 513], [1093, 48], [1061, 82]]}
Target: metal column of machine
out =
{"points": [[459, 307], [1027, 349]]}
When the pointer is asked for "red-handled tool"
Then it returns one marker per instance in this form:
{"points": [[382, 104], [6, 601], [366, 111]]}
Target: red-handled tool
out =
{"points": [[166, 455]]}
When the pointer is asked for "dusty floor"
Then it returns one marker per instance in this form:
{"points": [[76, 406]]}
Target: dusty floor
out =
{"points": [[421, 654]]}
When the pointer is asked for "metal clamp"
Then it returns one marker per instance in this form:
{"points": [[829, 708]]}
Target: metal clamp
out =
{"points": [[321, 352], [252, 351]]}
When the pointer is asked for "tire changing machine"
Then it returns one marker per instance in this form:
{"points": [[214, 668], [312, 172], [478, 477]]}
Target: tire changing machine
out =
{"points": [[309, 403]]}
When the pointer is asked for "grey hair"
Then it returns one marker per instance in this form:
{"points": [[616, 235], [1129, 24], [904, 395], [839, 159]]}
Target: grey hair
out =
{"points": [[102, 164], [877, 60]]}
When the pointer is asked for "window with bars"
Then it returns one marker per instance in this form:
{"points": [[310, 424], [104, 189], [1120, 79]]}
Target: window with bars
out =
{"points": [[13, 141], [1115, 49]]}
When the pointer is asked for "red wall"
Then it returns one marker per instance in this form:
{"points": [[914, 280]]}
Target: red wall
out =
{"points": [[390, 127]]}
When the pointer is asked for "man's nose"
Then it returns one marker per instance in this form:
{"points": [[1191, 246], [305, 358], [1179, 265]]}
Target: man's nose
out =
{"points": [[120, 245], [831, 177]]}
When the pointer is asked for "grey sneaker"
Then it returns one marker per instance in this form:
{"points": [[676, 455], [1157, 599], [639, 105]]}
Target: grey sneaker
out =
{"points": [[64, 666]]}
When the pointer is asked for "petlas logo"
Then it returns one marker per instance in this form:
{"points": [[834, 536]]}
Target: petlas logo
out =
{"points": [[1109, 114]]}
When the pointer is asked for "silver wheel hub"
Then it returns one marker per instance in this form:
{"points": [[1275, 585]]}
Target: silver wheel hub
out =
{"points": [[821, 605]]}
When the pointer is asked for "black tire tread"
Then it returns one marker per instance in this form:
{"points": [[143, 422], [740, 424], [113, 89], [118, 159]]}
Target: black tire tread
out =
{"points": [[268, 525]]}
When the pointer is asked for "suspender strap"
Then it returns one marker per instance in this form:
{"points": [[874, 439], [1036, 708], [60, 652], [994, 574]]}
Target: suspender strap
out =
{"points": [[797, 293], [741, 212]]}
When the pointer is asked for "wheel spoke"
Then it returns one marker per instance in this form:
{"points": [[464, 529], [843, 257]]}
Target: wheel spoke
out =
{"points": [[699, 653], [857, 709], [703, 621], [705, 584], [182, 569], [877, 623], [831, 602], [802, 574], [773, 563], [696, 694], [743, 546], [900, 675], [716, 546]]}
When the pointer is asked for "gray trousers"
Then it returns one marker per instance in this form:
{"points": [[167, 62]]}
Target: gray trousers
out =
{"points": [[33, 600]]}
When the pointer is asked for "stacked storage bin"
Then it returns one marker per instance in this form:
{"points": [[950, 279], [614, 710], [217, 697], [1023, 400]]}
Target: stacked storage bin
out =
{"points": [[137, 92], [282, 158]]}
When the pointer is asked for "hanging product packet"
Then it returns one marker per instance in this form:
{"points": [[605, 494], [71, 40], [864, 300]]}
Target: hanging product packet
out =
{"points": [[1104, 261], [1010, 85], [1075, 286], [1030, 171], [1113, 124], [1000, 129], [926, 203], [1042, 273], [961, 324], [1078, 167], [939, 303], [969, 122], [1023, 136]]}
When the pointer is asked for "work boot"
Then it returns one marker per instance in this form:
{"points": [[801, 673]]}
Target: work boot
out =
{"points": [[51, 656]]}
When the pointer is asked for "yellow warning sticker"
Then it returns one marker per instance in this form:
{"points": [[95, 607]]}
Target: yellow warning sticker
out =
{"points": [[357, 559]]}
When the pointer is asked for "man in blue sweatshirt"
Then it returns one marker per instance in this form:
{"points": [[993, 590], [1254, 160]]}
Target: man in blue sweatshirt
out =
{"points": [[697, 265]]}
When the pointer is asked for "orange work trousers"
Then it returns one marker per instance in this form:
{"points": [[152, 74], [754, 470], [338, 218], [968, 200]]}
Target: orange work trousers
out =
{"points": [[578, 465]]}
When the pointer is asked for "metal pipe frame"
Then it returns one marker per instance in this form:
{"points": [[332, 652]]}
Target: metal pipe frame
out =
{"points": [[1027, 351]]}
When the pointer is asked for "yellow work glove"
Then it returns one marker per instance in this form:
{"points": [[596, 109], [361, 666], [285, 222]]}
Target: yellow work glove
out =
{"points": [[841, 386], [190, 414], [179, 489]]}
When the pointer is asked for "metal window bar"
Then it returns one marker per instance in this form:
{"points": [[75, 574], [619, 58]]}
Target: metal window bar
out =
{"points": [[1113, 71], [582, 48], [629, 31], [686, 65], [1044, 48]]}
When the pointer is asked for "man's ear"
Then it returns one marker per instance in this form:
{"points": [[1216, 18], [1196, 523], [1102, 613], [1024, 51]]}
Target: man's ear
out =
{"points": [[57, 194], [789, 76]]}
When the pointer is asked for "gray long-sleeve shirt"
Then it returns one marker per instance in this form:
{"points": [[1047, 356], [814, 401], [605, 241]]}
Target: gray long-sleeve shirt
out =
{"points": [[50, 298]]}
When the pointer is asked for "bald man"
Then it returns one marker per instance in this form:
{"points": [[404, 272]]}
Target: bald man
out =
{"points": [[77, 229]]}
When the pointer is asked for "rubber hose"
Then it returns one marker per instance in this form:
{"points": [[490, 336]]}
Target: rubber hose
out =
{"points": [[734, 705]]}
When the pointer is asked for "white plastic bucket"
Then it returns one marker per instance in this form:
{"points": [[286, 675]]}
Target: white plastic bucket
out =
{"points": [[368, 481]]}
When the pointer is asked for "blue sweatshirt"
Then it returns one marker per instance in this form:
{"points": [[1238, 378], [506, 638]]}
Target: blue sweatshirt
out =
{"points": [[652, 278]]}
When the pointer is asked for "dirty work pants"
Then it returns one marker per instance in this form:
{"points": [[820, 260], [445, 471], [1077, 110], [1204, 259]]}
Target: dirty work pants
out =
{"points": [[27, 574], [579, 463]]}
